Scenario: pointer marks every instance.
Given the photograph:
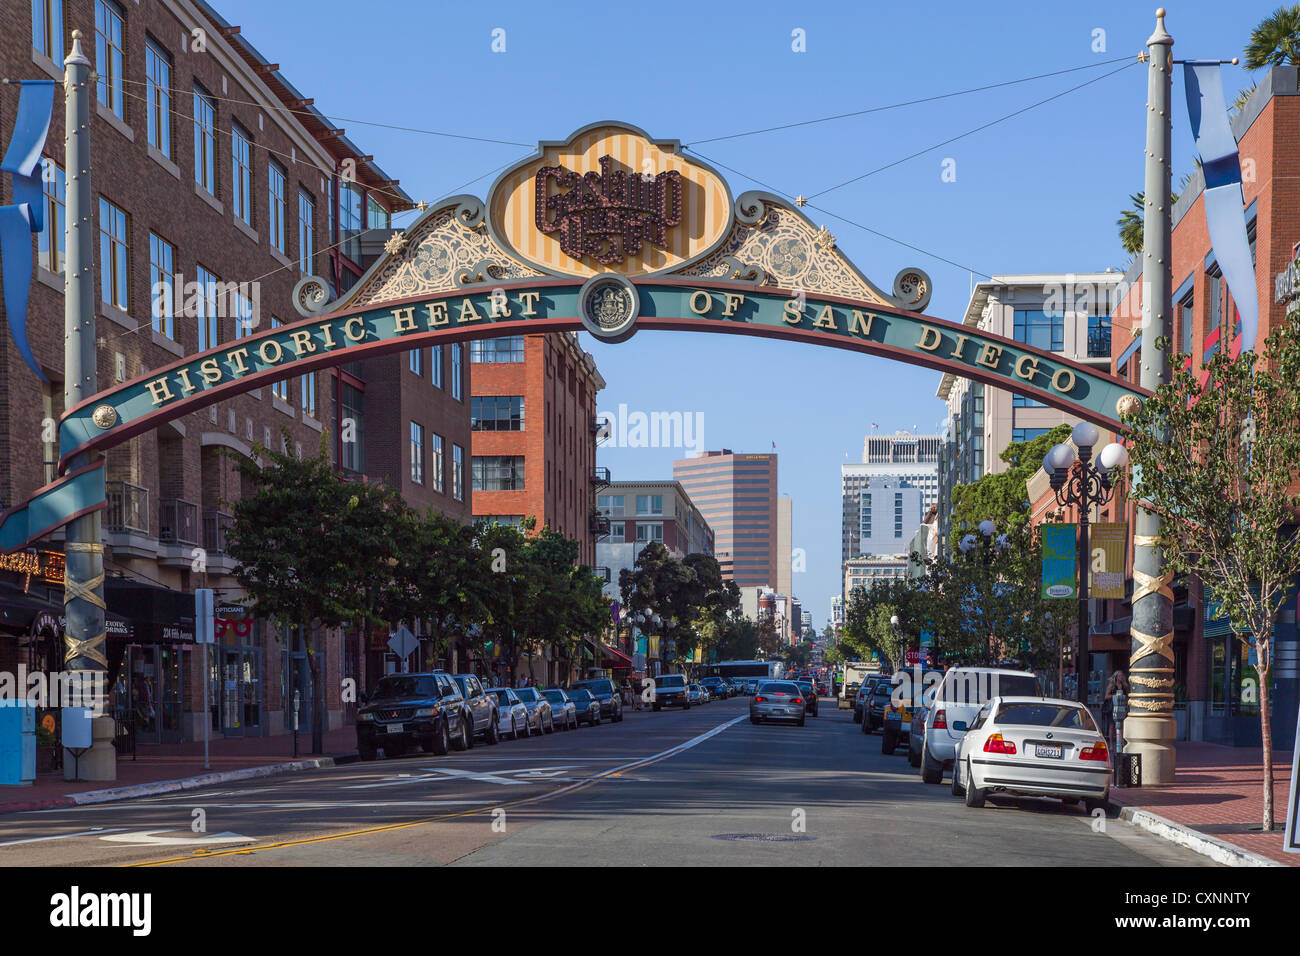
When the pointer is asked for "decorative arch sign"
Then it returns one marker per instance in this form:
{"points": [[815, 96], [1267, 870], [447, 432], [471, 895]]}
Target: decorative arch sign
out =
{"points": [[608, 232]]}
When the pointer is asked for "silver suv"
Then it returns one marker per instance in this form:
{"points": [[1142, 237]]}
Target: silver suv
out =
{"points": [[952, 706], [481, 706]]}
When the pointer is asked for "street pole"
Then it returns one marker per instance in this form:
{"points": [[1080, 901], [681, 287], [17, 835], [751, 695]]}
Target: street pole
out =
{"points": [[1083, 668], [1150, 728], [83, 583]]}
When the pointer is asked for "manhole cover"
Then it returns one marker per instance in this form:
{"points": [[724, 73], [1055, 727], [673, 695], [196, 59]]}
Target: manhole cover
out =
{"points": [[765, 837]]}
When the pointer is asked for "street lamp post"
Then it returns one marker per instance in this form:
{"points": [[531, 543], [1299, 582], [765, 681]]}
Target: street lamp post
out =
{"points": [[987, 545], [1083, 486]]}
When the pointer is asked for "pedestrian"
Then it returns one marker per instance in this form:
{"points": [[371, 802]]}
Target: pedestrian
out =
{"points": [[636, 691], [1118, 696]]}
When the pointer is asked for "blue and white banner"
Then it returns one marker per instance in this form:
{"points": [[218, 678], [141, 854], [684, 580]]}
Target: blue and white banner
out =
{"points": [[26, 215], [1224, 201]]}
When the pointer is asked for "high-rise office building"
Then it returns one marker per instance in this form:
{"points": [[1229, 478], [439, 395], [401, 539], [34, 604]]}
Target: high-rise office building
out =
{"points": [[892, 465], [737, 496]]}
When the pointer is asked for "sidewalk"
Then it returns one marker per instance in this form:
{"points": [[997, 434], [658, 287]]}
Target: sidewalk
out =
{"points": [[155, 764], [1218, 791]]}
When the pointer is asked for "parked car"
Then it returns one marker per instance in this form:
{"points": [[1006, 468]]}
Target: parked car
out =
{"points": [[718, 688], [742, 686], [607, 692], [958, 697], [540, 718], [482, 707], [586, 706], [896, 725], [696, 694], [408, 710], [777, 700], [751, 685], [1033, 746], [563, 712], [873, 712], [512, 715], [670, 690], [862, 699], [809, 696]]}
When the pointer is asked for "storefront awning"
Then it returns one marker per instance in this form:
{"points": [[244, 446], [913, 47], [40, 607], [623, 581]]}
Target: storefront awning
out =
{"points": [[156, 615], [19, 610], [614, 654]]}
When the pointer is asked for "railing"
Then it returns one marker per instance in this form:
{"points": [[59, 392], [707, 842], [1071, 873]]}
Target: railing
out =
{"points": [[1099, 343], [178, 521], [600, 477], [599, 525], [128, 507], [603, 573], [215, 525]]}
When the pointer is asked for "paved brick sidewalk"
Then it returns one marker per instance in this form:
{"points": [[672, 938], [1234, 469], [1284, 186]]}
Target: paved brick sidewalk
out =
{"points": [[1218, 791], [157, 763]]}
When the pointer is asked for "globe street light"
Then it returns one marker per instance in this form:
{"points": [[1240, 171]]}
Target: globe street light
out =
{"points": [[1083, 487]]}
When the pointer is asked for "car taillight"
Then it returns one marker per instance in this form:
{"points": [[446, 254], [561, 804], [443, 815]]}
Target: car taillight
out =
{"points": [[996, 745], [759, 700], [940, 720], [796, 700], [1097, 751]]}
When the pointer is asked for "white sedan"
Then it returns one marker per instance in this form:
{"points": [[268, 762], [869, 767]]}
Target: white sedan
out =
{"points": [[512, 715], [1033, 746]]}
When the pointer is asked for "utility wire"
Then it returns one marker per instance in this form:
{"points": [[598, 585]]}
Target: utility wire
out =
{"points": [[971, 132], [924, 99]]}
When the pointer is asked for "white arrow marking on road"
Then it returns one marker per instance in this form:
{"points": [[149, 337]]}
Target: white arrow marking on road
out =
{"points": [[485, 776], [64, 836], [147, 838]]}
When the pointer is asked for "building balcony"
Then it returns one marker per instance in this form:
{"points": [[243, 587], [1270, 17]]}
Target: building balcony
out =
{"points": [[599, 525], [215, 526], [600, 478], [178, 521], [604, 574], [128, 508]]}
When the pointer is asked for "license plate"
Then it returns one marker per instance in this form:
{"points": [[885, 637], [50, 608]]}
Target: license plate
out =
{"points": [[394, 728], [1054, 751]]}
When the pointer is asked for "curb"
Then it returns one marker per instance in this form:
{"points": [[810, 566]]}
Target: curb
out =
{"points": [[1229, 854], [109, 795]]}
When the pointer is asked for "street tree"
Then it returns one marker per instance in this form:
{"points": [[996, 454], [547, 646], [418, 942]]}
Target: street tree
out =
{"points": [[1275, 41], [1216, 456]]}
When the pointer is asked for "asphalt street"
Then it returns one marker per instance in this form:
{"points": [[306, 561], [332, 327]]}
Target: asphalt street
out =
{"points": [[697, 787]]}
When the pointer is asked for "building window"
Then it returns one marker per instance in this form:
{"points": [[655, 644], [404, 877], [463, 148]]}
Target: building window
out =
{"points": [[456, 372], [497, 473], [307, 386], [158, 97], [1024, 401], [353, 454], [649, 504], [618, 531], [209, 334], [509, 348], [205, 140], [496, 413], [47, 29], [275, 177], [647, 531], [162, 285], [241, 156], [435, 366], [610, 504], [1216, 299], [114, 256], [108, 56], [1186, 311], [416, 358], [279, 389], [50, 242], [436, 462], [377, 216], [245, 321], [1040, 329], [417, 453], [1027, 434], [306, 216], [458, 472], [1099, 336]]}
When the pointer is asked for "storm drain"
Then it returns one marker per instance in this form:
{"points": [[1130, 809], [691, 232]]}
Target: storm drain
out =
{"points": [[765, 837]]}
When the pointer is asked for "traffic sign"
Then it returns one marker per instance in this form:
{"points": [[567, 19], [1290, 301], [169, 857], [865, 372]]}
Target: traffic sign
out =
{"points": [[403, 642]]}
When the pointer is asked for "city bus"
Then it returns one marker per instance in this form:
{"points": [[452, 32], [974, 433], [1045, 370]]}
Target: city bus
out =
{"points": [[728, 669]]}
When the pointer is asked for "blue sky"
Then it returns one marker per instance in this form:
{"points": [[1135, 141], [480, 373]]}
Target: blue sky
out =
{"points": [[1037, 193]]}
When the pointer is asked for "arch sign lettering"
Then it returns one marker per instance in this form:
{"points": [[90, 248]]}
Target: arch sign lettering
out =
{"points": [[610, 232]]}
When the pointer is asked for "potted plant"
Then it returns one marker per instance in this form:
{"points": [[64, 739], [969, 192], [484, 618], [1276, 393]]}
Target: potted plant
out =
{"points": [[46, 749]]}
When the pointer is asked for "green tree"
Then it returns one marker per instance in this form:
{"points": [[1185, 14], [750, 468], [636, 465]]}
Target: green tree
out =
{"points": [[1219, 464], [1276, 40], [505, 563], [444, 578]]}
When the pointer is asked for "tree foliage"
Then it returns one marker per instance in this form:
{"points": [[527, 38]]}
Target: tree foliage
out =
{"points": [[1276, 40]]}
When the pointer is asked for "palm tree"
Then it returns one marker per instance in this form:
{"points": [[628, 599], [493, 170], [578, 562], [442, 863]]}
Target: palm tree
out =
{"points": [[1130, 224], [1276, 41]]}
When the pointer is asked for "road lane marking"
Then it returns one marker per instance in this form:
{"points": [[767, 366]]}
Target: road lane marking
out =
{"points": [[148, 838], [483, 776], [64, 836], [367, 831]]}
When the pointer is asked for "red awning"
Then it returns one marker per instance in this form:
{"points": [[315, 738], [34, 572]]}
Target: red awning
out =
{"points": [[615, 654]]}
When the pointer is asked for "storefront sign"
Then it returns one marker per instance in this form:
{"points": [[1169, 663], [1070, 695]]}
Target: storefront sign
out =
{"points": [[1059, 567], [1108, 542], [46, 565]]}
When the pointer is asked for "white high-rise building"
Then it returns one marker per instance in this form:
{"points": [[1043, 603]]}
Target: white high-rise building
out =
{"points": [[895, 465]]}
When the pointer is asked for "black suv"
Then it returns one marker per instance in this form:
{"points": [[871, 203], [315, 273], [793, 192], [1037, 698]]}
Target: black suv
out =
{"points": [[404, 710], [603, 689]]}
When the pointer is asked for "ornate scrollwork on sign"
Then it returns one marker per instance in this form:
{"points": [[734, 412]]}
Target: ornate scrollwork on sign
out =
{"points": [[311, 296], [449, 248], [772, 244]]}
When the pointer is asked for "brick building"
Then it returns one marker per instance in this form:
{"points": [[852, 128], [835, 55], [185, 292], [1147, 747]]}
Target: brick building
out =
{"points": [[217, 187]]}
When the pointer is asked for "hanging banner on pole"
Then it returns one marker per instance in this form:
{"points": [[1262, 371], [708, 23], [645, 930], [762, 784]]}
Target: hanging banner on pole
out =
{"points": [[1059, 566], [1108, 543]]}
